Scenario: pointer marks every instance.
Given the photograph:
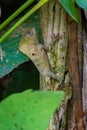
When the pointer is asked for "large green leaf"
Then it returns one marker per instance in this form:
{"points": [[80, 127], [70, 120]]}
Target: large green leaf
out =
{"points": [[69, 6], [12, 56], [82, 3], [29, 110]]}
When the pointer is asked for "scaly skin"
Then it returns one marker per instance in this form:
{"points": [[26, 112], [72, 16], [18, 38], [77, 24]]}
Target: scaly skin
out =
{"points": [[37, 53]]}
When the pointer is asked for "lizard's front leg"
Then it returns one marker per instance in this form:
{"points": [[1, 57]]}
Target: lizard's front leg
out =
{"points": [[49, 75]]}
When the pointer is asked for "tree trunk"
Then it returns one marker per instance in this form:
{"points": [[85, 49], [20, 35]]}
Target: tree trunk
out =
{"points": [[54, 24], [75, 73], [84, 89]]}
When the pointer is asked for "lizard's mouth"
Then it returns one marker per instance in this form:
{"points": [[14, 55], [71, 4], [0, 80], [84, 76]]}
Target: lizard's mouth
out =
{"points": [[23, 48]]}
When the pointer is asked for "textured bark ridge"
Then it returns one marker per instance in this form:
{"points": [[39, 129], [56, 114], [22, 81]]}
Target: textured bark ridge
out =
{"points": [[84, 88], [75, 73]]}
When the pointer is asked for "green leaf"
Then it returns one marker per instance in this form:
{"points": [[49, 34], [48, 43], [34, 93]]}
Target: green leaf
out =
{"points": [[29, 110], [69, 6], [12, 57], [82, 3]]}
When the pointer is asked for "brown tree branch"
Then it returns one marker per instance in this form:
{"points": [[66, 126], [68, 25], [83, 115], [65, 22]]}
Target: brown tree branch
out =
{"points": [[74, 62]]}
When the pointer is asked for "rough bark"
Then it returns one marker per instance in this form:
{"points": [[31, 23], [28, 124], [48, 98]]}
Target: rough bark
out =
{"points": [[61, 56], [54, 26], [54, 23], [84, 89], [75, 73]]}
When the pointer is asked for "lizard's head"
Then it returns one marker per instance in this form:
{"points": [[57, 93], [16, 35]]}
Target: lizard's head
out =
{"points": [[28, 39]]}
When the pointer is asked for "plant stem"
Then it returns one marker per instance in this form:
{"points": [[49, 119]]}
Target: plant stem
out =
{"points": [[36, 7], [16, 13]]}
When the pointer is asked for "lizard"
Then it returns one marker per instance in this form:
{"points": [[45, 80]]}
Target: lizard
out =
{"points": [[37, 53]]}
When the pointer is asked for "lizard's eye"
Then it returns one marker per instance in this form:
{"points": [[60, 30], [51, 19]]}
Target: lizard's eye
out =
{"points": [[29, 33]]}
